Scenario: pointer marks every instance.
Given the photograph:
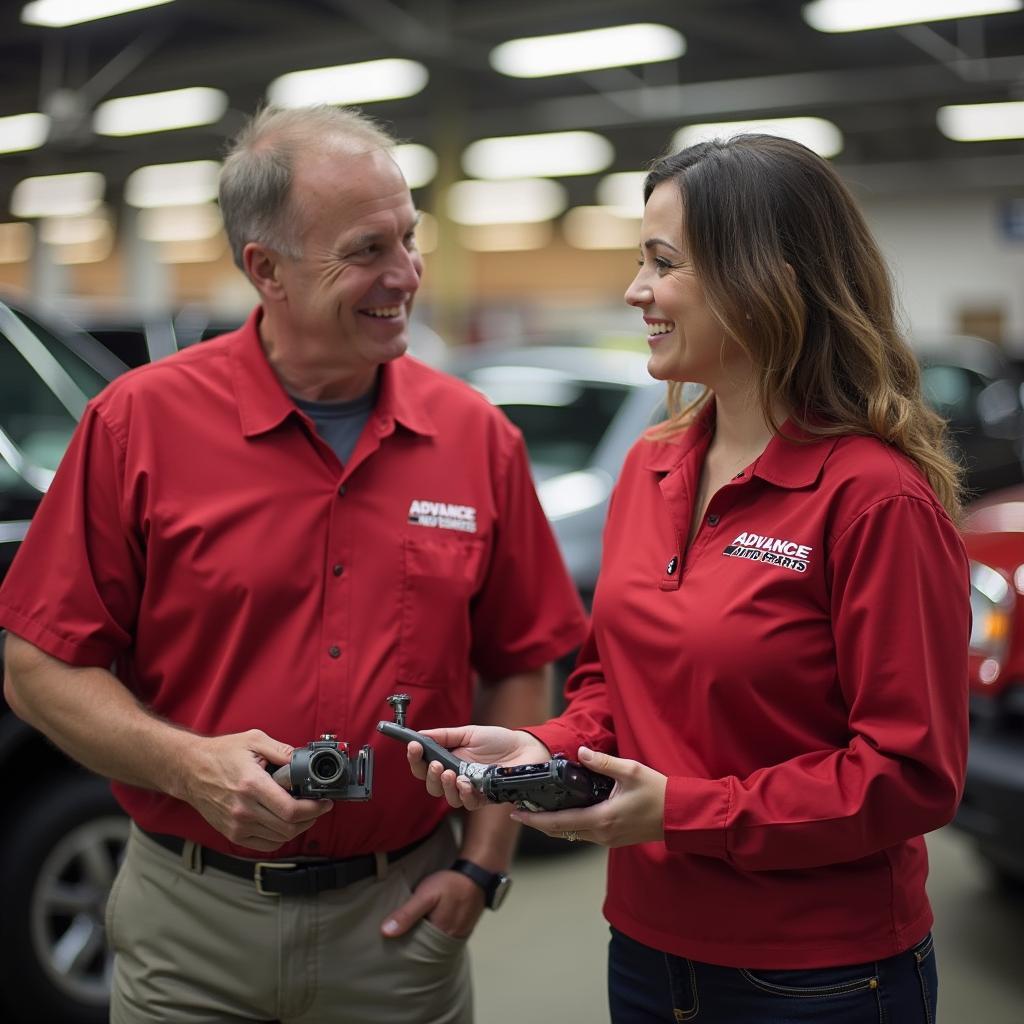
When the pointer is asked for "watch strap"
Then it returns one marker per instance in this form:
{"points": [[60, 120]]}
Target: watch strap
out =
{"points": [[487, 880]]}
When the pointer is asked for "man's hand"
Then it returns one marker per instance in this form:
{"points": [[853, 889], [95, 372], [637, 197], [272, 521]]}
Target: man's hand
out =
{"points": [[226, 781], [634, 813], [485, 744], [447, 899]]}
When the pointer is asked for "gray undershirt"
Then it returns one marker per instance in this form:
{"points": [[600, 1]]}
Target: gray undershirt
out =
{"points": [[340, 423]]}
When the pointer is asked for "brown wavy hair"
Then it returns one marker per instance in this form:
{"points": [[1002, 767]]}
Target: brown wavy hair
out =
{"points": [[791, 271]]}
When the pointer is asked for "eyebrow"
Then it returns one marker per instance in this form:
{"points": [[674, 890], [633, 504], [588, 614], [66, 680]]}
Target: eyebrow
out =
{"points": [[369, 237], [653, 243]]}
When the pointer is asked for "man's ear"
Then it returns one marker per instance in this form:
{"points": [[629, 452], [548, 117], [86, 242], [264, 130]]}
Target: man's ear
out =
{"points": [[262, 267]]}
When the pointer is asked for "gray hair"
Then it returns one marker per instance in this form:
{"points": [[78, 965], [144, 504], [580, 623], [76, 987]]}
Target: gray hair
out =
{"points": [[256, 179]]}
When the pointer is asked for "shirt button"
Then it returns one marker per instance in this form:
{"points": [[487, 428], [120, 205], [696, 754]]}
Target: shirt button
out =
{"points": [[713, 519], [673, 563], [341, 490], [337, 568], [334, 652]]}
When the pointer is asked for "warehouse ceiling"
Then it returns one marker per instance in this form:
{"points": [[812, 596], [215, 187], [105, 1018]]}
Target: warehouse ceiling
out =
{"points": [[743, 59]]}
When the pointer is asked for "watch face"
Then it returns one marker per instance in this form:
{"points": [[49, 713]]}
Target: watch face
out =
{"points": [[501, 889]]}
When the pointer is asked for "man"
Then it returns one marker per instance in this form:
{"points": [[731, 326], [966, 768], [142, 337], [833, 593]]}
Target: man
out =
{"points": [[268, 534]]}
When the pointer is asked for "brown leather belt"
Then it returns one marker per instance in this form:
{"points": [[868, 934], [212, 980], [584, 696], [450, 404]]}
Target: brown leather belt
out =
{"points": [[290, 878]]}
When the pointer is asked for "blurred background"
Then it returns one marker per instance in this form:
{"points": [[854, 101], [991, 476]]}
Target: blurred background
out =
{"points": [[525, 128]]}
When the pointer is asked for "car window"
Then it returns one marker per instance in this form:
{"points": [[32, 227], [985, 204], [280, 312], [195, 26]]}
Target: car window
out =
{"points": [[562, 419], [36, 422]]}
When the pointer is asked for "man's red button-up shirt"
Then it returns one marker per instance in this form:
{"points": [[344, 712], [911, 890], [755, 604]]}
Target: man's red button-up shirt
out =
{"points": [[799, 673], [200, 535]]}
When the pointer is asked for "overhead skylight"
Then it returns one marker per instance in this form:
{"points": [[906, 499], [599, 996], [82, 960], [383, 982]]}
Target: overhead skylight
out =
{"points": [[550, 155], [368, 82], [814, 132], [160, 111], [859, 15], [590, 50], [58, 195], [182, 184], [623, 192], [417, 163]]}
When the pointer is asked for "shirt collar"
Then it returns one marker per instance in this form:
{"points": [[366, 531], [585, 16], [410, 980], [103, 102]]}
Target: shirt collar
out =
{"points": [[793, 458], [263, 403]]}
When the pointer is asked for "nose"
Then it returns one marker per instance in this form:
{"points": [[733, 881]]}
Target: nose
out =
{"points": [[639, 291], [405, 271]]}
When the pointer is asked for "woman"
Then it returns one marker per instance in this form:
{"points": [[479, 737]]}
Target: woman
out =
{"points": [[776, 675]]}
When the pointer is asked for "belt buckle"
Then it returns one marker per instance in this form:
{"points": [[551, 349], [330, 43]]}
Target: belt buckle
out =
{"points": [[273, 865]]}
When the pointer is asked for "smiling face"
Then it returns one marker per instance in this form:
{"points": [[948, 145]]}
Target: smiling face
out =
{"points": [[350, 292], [687, 341]]}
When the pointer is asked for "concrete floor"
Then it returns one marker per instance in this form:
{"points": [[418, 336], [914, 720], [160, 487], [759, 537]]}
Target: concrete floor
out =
{"points": [[542, 957]]}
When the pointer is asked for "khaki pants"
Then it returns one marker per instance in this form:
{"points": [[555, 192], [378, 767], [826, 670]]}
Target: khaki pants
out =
{"points": [[206, 946]]}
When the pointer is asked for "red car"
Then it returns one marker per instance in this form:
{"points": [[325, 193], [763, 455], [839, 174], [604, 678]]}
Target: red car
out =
{"points": [[992, 810]]}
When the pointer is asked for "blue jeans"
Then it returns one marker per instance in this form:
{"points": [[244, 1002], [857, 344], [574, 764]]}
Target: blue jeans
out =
{"points": [[646, 986]]}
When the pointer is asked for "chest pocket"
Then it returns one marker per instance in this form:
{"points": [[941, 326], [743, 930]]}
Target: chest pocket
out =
{"points": [[440, 575]]}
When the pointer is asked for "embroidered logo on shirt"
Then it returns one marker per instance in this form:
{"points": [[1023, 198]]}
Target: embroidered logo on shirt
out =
{"points": [[440, 514], [772, 550]]}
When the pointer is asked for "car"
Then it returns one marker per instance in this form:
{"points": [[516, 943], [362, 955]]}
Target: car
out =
{"points": [[990, 811], [63, 832]]}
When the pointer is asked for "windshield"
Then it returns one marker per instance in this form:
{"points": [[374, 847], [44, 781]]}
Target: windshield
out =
{"points": [[43, 388], [562, 419]]}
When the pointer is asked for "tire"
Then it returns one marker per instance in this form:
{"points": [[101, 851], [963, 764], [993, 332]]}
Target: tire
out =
{"points": [[61, 849]]}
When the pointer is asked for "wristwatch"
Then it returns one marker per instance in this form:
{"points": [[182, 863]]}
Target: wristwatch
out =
{"points": [[494, 884]]}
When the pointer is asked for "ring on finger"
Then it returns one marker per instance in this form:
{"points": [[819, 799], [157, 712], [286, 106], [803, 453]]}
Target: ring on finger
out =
{"points": [[572, 837]]}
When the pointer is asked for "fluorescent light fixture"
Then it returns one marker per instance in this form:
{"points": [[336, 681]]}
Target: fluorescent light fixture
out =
{"points": [[858, 15], [368, 82], [623, 192], [814, 132], [569, 52], [183, 184], [58, 195], [160, 111], [179, 223], [74, 230], [979, 122], [23, 131], [528, 201], [427, 233], [600, 227], [418, 164], [505, 237], [194, 250], [15, 242], [550, 155], [58, 13]]}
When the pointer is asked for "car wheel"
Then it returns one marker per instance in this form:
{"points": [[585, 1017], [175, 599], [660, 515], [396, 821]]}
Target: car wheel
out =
{"points": [[61, 851]]}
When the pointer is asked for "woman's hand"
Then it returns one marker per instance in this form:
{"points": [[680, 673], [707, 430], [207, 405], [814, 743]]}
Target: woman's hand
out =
{"points": [[634, 813], [486, 744]]}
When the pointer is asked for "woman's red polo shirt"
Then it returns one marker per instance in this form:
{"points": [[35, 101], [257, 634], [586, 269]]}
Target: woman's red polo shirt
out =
{"points": [[800, 675]]}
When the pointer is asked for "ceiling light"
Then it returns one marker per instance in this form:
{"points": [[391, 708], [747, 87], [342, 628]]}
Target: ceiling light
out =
{"points": [[368, 82], [73, 230], [160, 111], [504, 202], [23, 131], [179, 223], [58, 195], [979, 122], [96, 250], [505, 237], [426, 233], [58, 13], [858, 15], [193, 250], [553, 154], [623, 192], [814, 132], [619, 46], [600, 227], [15, 242], [418, 164], [181, 184]]}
